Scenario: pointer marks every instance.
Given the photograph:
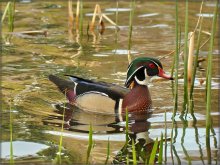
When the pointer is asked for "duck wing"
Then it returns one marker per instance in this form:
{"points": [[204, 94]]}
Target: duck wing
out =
{"points": [[80, 86]]}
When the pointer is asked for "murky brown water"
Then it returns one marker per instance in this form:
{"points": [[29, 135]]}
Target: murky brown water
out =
{"points": [[37, 105]]}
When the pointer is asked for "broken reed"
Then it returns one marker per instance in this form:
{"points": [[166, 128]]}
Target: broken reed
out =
{"points": [[10, 11], [191, 104], [208, 85]]}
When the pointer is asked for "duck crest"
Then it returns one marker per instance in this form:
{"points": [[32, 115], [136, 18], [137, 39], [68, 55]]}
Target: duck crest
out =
{"points": [[137, 100]]}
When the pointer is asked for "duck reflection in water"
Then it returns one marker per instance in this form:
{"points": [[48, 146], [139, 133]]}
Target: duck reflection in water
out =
{"points": [[78, 121], [137, 132]]}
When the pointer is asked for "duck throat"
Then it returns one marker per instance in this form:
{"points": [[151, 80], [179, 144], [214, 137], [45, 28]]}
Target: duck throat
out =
{"points": [[137, 100]]}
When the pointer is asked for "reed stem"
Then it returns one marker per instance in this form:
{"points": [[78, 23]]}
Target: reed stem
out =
{"points": [[90, 144], [132, 4], [208, 84], [11, 15], [58, 157], [81, 18], [160, 159], [108, 152], [70, 20], [11, 136], [185, 103], [126, 127], [134, 153], [165, 136], [176, 63], [77, 14]]}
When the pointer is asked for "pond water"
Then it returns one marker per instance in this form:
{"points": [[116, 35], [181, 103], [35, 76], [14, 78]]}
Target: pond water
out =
{"points": [[37, 105]]}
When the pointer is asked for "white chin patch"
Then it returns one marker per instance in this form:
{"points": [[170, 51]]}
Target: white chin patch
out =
{"points": [[144, 82]]}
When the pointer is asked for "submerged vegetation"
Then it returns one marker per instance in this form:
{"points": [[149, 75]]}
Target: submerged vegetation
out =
{"points": [[137, 149]]}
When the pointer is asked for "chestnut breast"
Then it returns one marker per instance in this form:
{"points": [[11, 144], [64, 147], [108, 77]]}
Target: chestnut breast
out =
{"points": [[137, 100]]}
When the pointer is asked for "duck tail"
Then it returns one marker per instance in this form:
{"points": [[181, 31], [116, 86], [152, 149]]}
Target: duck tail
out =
{"points": [[65, 86]]}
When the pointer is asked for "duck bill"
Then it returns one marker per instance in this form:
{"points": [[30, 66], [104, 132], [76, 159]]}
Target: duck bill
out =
{"points": [[163, 75]]}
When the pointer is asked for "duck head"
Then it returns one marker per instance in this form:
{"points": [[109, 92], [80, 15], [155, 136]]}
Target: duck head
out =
{"points": [[140, 69]]}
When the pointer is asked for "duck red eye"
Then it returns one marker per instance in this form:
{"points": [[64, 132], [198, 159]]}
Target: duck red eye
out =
{"points": [[151, 65]]}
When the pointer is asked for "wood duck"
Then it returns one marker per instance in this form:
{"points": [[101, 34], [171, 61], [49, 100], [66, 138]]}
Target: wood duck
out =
{"points": [[101, 97]]}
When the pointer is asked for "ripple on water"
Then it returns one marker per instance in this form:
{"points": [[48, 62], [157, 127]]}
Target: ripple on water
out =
{"points": [[91, 14], [123, 51], [84, 136], [206, 15], [118, 9], [148, 15]]}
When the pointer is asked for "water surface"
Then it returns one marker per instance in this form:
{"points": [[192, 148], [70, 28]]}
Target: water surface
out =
{"points": [[37, 105]]}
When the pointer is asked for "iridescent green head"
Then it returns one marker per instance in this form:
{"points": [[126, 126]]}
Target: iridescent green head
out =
{"points": [[143, 67]]}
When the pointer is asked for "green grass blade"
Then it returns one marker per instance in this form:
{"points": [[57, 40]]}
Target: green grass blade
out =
{"points": [[58, 157], [90, 144], [11, 15], [208, 84], [134, 153], [126, 127], [153, 152], [160, 159], [108, 152], [127, 159]]}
